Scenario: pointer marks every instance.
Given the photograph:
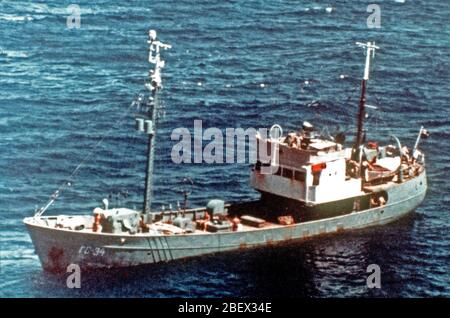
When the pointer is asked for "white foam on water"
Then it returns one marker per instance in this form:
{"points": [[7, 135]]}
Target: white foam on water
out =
{"points": [[319, 8], [38, 7], [39, 17], [9, 53], [64, 10], [21, 18], [15, 18]]}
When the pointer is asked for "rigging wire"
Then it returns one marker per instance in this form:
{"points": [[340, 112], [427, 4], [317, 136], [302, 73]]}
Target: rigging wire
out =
{"points": [[68, 181]]}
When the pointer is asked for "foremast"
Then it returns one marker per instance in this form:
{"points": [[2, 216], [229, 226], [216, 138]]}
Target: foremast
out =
{"points": [[149, 124]]}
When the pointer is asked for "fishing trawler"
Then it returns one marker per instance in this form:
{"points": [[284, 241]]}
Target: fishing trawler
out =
{"points": [[309, 185]]}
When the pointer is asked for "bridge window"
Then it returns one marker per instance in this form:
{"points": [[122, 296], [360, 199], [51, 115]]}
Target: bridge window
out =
{"points": [[287, 173], [300, 176], [278, 172]]}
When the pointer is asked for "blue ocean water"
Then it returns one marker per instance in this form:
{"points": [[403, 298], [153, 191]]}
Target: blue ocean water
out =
{"points": [[62, 89]]}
